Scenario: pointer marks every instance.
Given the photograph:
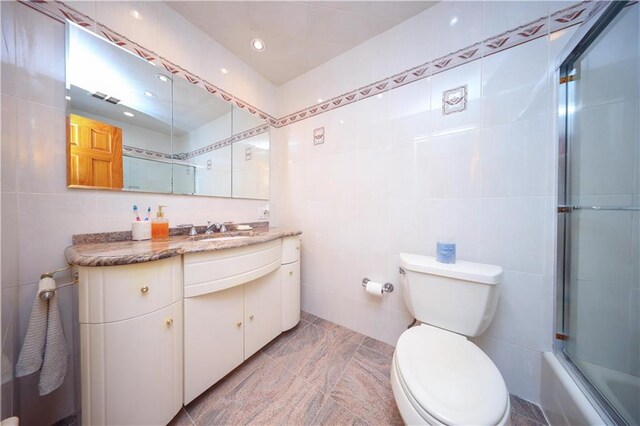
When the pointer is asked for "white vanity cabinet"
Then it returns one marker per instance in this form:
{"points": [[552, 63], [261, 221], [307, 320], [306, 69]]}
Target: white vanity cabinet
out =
{"points": [[232, 308], [131, 326], [290, 276]]}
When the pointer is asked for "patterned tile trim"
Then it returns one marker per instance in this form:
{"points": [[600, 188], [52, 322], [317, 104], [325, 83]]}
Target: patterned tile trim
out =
{"points": [[61, 12], [148, 154], [559, 20], [541, 27]]}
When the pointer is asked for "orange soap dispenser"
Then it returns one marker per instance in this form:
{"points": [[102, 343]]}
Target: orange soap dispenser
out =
{"points": [[159, 225]]}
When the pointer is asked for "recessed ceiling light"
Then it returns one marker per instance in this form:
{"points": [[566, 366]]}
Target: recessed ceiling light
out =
{"points": [[149, 94], [68, 98], [319, 100], [224, 71], [453, 21], [128, 114], [257, 45], [136, 14], [163, 77]]}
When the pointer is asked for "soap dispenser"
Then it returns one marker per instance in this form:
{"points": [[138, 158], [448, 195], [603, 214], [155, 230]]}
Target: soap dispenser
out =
{"points": [[160, 225]]}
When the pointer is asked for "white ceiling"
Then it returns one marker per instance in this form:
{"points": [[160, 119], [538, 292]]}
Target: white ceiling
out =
{"points": [[299, 35]]}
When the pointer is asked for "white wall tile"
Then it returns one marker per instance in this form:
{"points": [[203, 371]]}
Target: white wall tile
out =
{"points": [[514, 83], [518, 159], [524, 312], [501, 16], [39, 58], [520, 367], [513, 233], [465, 75], [178, 40], [136, 20]]}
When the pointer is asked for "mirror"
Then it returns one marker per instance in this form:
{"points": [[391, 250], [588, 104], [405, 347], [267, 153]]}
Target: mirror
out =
{"points": [[250, 149], [119, 118], [132, 126], [201, 125]]}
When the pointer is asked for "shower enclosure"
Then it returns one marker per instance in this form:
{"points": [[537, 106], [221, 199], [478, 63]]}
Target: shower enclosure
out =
{"points": [[598, 317]]}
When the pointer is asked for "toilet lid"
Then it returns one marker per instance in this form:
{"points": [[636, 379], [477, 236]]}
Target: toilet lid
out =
{"points": [[449, 377]]}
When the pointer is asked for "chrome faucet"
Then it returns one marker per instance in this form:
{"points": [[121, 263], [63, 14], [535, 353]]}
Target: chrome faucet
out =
{"points": [[193, 231], [215, 227]]}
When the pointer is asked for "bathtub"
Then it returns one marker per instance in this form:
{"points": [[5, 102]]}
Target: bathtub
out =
{"points": [[562, 402]]}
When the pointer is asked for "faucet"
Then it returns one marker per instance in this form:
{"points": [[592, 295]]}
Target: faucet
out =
{"points": [[193, 231], [215, 227]]}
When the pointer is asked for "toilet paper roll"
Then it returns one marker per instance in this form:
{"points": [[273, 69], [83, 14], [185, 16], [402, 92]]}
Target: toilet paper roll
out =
{"points": [[374, 288]]}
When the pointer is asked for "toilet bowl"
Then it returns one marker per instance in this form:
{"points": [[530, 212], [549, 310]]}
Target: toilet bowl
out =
{"points": [[438, 377]]}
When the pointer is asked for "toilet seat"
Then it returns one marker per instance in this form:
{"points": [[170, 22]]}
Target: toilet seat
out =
{"points": [[449, 380]]}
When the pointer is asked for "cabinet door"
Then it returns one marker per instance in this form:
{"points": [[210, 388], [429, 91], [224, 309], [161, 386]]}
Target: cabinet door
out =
{"points": [[132, 369], [262, 311], [290, 295], [213, 341]]}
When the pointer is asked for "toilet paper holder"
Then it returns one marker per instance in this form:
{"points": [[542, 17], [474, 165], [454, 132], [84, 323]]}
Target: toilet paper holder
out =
{"points": [[386, 288]]}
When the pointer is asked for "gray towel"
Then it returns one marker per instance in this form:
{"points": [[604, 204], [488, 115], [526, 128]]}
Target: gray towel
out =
{"points": [[44, 345]]}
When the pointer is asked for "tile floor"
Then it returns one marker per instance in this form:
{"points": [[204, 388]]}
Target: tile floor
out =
{"points": [[318, 373]]}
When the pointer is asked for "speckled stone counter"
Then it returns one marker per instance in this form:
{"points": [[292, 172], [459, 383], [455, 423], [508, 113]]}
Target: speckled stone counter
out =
{"points": [[129, 252]]}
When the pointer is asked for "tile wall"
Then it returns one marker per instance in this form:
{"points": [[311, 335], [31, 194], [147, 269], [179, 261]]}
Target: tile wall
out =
{"points": [[39, 214], [395, 173]]}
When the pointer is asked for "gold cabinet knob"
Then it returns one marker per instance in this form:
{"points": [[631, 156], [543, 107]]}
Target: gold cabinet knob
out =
{"points": [[297, 247], [251, 316], [290, 272], [144, 289], [169, 322], [239, 323]]}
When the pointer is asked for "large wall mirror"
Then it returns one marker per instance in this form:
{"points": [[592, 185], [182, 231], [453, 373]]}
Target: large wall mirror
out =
{"points": [[134, 127]]}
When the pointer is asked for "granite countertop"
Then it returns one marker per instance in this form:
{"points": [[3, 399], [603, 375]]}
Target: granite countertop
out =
{"points": [[129, 252]]}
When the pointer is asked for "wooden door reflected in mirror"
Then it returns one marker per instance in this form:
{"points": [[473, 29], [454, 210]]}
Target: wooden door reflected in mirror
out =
{"points": [[95, 154]]}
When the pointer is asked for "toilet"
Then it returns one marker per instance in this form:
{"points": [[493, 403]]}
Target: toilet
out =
{"points": [[439, 377]]}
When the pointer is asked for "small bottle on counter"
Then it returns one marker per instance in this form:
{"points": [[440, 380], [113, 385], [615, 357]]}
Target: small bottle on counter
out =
{"points": [[159, 225]]}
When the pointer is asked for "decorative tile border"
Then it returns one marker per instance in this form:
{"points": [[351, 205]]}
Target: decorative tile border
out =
{"points": [[226, 142], [559, 20], [148, 154], [454, 100], [541, 27]]}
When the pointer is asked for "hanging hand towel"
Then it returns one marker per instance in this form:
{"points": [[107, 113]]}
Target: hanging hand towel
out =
{"points": [[56, 354], [44, 345], [32, 352]]}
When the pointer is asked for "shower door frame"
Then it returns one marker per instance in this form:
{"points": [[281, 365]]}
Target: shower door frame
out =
{"points": [[577, 45]]}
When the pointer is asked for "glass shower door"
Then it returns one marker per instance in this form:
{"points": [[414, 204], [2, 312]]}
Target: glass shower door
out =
{"points": [[600, 217]]}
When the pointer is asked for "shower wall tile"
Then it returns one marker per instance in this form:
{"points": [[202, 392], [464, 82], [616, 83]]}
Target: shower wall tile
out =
{"points": [[606, 160], [611, 72]]}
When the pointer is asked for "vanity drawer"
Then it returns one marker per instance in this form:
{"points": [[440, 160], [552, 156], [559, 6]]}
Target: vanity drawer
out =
{"points": [[290, 249], [218, 270], [114, 293]]}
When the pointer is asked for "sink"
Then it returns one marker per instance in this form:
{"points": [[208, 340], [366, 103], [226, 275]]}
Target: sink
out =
{"points": [[235, 237]]}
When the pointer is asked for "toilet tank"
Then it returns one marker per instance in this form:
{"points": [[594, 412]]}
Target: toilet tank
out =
{"points": [[459, 297]]}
